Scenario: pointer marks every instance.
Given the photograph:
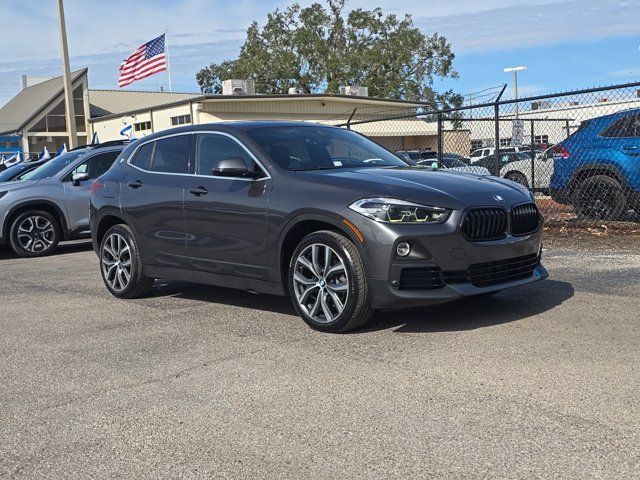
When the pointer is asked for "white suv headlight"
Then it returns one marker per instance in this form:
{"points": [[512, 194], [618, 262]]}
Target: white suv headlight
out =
{"points": [[391, 210]]}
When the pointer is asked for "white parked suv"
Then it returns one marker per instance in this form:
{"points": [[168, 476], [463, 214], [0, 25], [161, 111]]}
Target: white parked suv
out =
{"points": [[520, 171], [481, 153]]}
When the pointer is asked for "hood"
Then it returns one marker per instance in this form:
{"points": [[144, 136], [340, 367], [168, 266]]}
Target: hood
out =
{"points": [[16, 185], [440, 188]]}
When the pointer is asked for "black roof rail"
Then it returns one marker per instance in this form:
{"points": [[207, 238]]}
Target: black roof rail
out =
{"points": [[111, 143]]}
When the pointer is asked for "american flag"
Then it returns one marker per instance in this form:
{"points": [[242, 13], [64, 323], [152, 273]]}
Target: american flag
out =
{"points": [[146, 60]]}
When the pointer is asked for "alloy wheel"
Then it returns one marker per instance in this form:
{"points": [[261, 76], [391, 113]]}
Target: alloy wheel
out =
{"points": [[116, 262], [321, 283], [36, 234]]}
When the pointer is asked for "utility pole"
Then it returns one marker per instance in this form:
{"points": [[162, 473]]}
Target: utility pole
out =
{"points": [[515, 71], [66, 75]]}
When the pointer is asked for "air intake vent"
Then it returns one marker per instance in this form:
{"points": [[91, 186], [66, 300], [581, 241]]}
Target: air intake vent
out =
{"points": [[496, 272], [525, 219], [485, 224], [422, 278]]}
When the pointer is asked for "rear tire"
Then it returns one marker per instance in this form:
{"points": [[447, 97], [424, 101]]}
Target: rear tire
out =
{"points": [[121, 264], [328, 284], [599, 197], [34, 233]]}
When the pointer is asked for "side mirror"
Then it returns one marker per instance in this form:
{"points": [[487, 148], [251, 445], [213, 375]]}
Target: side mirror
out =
{"points": [[79, 177], [231, 167]]}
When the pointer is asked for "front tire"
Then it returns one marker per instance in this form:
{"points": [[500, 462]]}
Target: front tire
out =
{"points": [[599, 197], [121, 265], [34, 233], [328, 284]]}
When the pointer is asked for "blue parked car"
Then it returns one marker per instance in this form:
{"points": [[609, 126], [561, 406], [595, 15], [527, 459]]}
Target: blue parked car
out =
{"points": [[597, 168]]}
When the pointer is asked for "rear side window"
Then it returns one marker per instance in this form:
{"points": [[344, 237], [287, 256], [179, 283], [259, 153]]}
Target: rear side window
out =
{"points": [[625, 127], [171, 155], [143, 157]]}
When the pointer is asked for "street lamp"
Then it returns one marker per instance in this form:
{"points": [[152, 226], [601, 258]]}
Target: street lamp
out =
{"points": [[515, 71]]}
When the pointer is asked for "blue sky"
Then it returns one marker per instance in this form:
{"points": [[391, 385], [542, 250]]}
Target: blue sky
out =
{"points": [[564, 43]]}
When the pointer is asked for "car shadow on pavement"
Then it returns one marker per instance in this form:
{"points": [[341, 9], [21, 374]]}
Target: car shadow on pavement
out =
{"points": [[64, 248], [476, 312]]}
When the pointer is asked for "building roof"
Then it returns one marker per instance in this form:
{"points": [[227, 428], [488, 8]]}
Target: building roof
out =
{"points": [[30, 101], [347, 99], [114, 102]]}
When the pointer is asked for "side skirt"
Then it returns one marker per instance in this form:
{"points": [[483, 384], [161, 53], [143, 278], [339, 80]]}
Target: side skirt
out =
{"points": [[228, 281]]}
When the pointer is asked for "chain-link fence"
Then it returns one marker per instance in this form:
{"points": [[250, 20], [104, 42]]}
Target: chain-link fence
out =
{"points": [[578, 151]]}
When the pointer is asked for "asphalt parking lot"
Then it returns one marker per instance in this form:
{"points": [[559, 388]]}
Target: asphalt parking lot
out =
{"points": [[198, 381]]}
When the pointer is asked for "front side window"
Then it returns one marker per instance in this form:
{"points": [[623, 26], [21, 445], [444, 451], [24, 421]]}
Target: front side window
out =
{"points": [[211, 148], [171, 155], [320, 148], [96, 165]]}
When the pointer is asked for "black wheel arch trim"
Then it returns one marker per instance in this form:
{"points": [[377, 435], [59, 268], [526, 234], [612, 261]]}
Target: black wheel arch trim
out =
{"points": [[35, 203], [332, 219], [602, 167]]}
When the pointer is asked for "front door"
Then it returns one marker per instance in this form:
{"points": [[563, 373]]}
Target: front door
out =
{"points": [[76, 195], [151, 197], [227, 217]]}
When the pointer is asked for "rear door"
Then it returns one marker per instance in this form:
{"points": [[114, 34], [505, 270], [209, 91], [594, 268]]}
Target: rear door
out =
{"points": [[151, 197], [77, 196], [226, 217]]}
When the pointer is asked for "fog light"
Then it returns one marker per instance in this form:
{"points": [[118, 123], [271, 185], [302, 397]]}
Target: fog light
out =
{"points": [[403, 249]]}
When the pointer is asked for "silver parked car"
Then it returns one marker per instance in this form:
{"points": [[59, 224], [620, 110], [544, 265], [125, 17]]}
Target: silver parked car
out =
{"points": [[51, 203]]}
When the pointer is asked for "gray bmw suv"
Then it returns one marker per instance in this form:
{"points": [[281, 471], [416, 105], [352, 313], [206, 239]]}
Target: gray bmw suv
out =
{"points": [[51, 203], [319, 213]]}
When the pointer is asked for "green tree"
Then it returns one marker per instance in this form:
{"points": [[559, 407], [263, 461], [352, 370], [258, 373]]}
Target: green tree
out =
{"points": [[320, 48]]}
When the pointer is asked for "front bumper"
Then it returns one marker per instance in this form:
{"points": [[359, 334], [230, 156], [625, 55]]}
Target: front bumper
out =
{"points": [[459, 267]]}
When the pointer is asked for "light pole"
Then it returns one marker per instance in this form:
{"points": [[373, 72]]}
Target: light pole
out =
{"points": [[66, 75], [515, 71]]}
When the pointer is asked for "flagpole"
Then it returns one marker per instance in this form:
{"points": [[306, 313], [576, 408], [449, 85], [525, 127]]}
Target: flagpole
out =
{"points": [[166, 53]]}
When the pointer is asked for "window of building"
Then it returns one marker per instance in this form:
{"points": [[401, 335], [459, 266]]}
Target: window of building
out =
{"points": [[55, 120], [476, 144], [141, 126], [541, 139], [171, 155], [181, 120], [505, 142]]}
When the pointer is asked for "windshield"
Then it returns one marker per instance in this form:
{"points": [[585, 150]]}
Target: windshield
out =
{"points": [[52, 167], [10, 172], [321, 148], [450, 162]]}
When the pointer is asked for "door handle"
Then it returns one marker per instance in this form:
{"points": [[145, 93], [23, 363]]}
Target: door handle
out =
{"points": [[198, 191], [135, 184]]}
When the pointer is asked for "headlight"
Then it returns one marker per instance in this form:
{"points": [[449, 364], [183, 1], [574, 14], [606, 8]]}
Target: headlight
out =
{"points": [[390, 210]]}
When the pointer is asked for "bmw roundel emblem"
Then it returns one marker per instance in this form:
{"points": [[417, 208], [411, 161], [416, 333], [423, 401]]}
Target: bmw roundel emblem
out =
{"points": [[498, 198]]}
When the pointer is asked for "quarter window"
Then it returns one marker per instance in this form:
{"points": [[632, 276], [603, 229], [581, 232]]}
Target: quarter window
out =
{"points": [[171, 155], [212, 148], [626, 127], [143, 157]]}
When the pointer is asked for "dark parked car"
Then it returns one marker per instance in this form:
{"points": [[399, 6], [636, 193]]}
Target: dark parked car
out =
{"points": [[16, 171], [320, 213], [597, 168]]}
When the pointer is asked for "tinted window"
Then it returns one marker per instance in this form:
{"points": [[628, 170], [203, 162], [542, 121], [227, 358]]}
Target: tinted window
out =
{"points": [[143, 157], [52, 167], [316, 148], [211, 148], [96, 165], [11, 172], [626, 127], [171, 155]]}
